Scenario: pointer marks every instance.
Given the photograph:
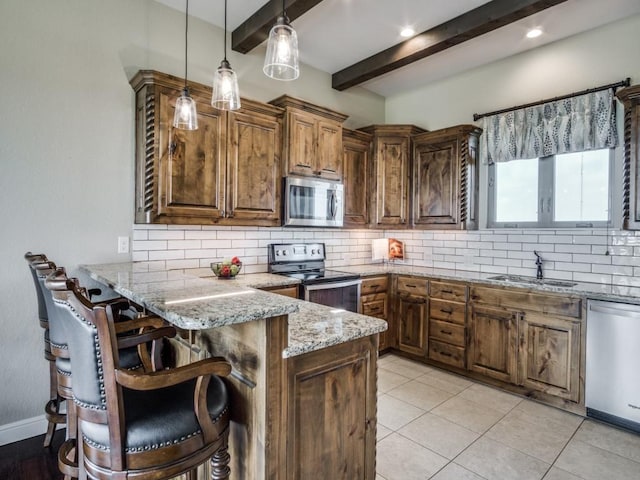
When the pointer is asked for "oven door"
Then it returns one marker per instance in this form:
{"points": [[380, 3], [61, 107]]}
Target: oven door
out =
{"points": [[344, 295]]}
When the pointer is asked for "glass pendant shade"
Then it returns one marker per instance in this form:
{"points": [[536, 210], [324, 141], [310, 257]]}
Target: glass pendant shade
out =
{"points": [[185, 116], [226, 95], [281, 61]]}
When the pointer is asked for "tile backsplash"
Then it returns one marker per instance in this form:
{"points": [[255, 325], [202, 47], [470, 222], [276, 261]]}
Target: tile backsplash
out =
{"points": [[584, 255]]}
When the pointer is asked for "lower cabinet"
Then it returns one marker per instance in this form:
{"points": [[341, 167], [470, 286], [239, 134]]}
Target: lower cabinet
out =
{"points": [[288, 291], [549, 355], [493, 342], [412, 324], [374, 303]]}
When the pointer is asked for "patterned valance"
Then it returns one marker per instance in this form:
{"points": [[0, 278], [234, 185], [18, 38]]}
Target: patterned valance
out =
{"points": [[583, 122]]}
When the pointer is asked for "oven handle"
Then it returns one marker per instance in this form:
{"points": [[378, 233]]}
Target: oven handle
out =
{"points": [[328, 285], [334, 205]]}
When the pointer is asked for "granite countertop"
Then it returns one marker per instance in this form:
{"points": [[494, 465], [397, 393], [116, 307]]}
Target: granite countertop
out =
{"points": [[193, 299], [596, 291]]}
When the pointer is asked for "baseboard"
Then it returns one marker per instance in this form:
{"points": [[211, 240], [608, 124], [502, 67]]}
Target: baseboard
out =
{"points": [[27, 428]]}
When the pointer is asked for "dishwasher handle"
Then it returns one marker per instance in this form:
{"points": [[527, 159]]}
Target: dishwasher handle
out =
{"points": [[599, 308]]}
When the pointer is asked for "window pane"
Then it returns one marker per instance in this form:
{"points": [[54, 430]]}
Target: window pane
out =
{"points": [[517, 191], [582, 186]]}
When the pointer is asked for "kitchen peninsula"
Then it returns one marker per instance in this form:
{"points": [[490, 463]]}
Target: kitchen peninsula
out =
{"points": [[304, 375]]}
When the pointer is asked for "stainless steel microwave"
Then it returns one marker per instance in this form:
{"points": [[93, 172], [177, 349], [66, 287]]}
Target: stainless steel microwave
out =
{"points": [[312, 202]]}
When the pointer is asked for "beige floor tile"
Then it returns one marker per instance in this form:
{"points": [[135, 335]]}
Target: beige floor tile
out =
{"points": [[388, 380], [380, 477], [408, 368], [555, 414], [420, 395], [491, 397], [445, 381], [394, 413], [442, 436], [456, 472], [496, 461], [387, 358], [536, 436], [382, 431], [401, 459], [609, 438], [593, 463], [557, 474], [470, 415]]}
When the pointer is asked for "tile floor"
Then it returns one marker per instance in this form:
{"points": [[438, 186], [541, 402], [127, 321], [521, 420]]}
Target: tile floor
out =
{"points": [[440, 426]]}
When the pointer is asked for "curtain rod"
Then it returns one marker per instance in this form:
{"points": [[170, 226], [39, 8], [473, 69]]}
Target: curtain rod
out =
{"points": [[623, 83]]}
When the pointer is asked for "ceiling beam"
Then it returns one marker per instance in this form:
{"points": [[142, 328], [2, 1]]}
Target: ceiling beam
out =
{"points": [[476, 22], [255, 29]]}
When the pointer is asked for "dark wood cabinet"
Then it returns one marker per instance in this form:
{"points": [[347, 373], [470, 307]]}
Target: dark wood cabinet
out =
{"points": [[549, 356], [226, 172], [411, 315], [253, 162], [390, 185], [313, 139], [447, 323], [374, 302], [356, 147], [630, 97], [445, 178], [493, 342]]}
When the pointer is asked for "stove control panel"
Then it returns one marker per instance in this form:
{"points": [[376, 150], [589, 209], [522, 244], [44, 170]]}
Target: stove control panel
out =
{"points": [[296, 252]]}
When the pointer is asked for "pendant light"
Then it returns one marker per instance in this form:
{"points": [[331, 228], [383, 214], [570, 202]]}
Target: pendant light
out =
{"points": [[185, 116], [226, 95], [281, 61]]}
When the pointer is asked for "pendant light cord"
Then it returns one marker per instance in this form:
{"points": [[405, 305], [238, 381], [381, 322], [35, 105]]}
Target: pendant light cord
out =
{"points": [[225, 30], [186, 41]]}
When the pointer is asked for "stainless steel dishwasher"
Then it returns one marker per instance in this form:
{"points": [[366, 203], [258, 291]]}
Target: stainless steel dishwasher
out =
{"points": [[612, 381]]}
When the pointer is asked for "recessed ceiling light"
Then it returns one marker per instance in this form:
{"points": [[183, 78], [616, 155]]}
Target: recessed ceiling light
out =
{"points": [[407, 32], [534, 32]]}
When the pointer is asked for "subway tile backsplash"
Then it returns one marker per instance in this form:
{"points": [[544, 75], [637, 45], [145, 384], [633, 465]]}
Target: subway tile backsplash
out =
{"points": [[579, 255]]}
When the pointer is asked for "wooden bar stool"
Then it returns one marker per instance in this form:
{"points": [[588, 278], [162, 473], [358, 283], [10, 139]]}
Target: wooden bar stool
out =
{"points": [[135, 424], [52, 408]]}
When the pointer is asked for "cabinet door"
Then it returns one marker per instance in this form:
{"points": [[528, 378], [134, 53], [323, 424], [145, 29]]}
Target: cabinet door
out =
{"points": [[192, 174], [493, 342], [435, 176], [302, 144], [375, 305], [550, 355], [392, 163], [356, 178], [412, 325], [253, 158], [329, 152]]}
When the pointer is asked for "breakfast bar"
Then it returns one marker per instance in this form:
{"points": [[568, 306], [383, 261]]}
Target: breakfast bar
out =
{"points": [[303, 384]]}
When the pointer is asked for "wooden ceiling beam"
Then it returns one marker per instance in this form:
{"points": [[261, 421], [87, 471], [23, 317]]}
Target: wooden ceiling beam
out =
{"points": [[476, 22], [255, 29]]}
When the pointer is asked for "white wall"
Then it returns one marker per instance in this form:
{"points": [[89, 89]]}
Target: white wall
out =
{"points": [[67, 144]]}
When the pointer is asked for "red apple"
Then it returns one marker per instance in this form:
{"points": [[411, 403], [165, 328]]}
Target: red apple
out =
{"points": [[235, 261]]}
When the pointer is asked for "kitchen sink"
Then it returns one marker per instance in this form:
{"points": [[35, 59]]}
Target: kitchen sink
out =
{"points": [[533, 281]]}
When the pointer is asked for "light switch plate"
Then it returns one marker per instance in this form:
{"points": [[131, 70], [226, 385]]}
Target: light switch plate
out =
{"points": [[123, 244]]}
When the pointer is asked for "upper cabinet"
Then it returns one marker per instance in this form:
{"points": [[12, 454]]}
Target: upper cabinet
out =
{"points": [[356, 147], [389, 195], [630, 97], [313, 139], [445, 178], [226, 172]]}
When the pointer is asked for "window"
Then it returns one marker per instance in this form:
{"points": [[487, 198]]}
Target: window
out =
{"points": [[565, 190]]}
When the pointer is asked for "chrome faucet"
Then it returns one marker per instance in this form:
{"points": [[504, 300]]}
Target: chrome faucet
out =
{"points": [[539, 261]]}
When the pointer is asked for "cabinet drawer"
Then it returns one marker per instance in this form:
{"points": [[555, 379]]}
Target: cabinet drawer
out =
{"points": [[375, 305], [445, 353], [523, 300], [448, 291], [446, 332], [412, 286], [373, 285], [447, 311]]}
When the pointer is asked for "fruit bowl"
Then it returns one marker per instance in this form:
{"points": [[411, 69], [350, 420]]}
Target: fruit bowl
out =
{"points": [[226, 269]]}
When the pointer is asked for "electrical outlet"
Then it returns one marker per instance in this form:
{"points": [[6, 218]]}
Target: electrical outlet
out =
{"points": [[123, 244]]}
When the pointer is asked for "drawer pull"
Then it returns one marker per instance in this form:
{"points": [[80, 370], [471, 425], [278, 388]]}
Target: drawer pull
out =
{"points": [[411, 286], [445, 354], [446, 332], [447, 291], [448, 311], [375, 285]]}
